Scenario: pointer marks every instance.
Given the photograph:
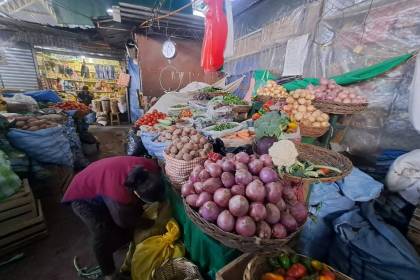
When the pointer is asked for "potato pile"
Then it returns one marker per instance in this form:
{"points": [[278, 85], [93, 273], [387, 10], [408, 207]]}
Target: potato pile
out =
{"points": [[299, 107], [187, 143], [35, 123], [272, 89]]}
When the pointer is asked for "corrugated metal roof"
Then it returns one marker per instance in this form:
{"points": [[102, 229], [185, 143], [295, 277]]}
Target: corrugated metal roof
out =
{"points": [[181, 25]]}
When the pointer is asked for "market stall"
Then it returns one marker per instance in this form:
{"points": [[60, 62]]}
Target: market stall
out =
{"points": [[240, 180], [96, 82]]}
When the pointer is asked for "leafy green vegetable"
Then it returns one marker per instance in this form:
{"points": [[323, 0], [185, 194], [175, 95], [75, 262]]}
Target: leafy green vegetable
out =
{"points": [[307, 169], [223, 126], [272, 124], [231, 99], [179, 106], [211, 89]]}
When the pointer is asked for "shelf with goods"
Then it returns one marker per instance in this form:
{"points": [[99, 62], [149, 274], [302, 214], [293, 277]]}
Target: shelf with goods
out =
{"points": [[75, 71]]}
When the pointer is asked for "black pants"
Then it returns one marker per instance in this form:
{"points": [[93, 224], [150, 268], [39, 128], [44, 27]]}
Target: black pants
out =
{"points": [[106, 236]]}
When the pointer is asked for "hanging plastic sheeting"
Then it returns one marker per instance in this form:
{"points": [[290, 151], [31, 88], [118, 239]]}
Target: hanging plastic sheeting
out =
{"points": [[229, 49], [215, 36], [354, 33], [344, 35], [414, 101], [134, 71], [260, 41]]}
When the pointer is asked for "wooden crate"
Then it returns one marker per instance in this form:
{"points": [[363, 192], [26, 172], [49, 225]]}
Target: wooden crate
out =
{"points": [[19, 207], [235, 269], [21, 220], [23, 233]]}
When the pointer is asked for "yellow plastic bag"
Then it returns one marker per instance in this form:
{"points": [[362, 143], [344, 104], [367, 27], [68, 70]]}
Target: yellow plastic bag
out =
{"points": [[152, 252], [161, 214]]}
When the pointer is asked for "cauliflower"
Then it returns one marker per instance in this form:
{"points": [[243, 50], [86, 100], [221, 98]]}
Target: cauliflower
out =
{"points": [[283, 153]]}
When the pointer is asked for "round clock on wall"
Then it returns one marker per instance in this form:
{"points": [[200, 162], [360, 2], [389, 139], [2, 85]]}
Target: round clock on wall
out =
{"points": [[168, 49]]}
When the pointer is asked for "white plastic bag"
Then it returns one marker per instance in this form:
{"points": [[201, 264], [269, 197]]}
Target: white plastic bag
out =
{"points": [[404, 176], [21, 103]]}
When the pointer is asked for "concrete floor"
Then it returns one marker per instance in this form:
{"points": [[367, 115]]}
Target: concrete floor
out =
{"points": [[52, 258]]}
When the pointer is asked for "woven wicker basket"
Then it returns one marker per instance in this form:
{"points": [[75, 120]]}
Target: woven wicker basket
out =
{"points": [[178, 171], [339, 108], [318, 155], [259, 265], [241, 243], [312, 131], [177, 269]]}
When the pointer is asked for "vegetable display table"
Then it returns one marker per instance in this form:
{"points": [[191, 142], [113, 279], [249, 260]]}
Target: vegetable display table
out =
{"points": [[208, 254]]}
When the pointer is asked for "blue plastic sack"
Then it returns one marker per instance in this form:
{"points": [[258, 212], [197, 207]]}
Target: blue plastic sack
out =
{"points": [[45, 145], [147, 140], [326, 201], [44, 96], [358, 186], [366, 248], [157, 149], [70, 132]]}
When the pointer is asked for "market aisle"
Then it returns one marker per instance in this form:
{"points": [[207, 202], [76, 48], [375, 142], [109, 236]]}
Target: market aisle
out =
{"points": [[52, 257]]}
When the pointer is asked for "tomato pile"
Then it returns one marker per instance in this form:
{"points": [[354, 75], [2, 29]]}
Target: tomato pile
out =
{"points": [[72, 105], [294, 267], [151, 118]]}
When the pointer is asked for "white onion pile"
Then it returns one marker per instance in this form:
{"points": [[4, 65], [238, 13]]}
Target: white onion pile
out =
{"points": [[328, 90], [299, 107], [272, 89], [243, 194]]}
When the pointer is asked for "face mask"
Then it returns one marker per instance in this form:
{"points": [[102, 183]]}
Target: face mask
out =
{"points": [[142, 199]]}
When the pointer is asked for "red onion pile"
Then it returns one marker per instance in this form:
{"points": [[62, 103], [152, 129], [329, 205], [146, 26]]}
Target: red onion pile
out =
{"points": [[329, 90], [243, 194]]}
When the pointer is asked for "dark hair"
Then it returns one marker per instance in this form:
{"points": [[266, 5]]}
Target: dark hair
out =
{"points": [[85, 88], [147, 185]]}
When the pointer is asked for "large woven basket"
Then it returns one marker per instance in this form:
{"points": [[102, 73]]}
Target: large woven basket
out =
{"points": [[316, 132], [339, 108], [318, 155], [177, 269], [178, 171], [259, 265], [241, 243]]}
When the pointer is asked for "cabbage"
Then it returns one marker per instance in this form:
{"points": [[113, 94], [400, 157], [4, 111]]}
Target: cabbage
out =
{"points": [[264, 144]]}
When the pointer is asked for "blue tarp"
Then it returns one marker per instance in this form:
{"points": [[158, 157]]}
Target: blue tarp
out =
{"points": [[44, 96], [40, 95], [135, 87]]}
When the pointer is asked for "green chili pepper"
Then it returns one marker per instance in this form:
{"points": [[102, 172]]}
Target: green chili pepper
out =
{"points": [[285, 261], [274, 262], [294, 258]]}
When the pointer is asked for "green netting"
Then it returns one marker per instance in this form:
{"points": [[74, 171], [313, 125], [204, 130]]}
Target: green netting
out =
{"points": [[261, 77], [355, 76]]}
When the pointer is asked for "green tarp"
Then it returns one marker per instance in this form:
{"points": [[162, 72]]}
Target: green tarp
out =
{"points": [[204, 251], [355, 76]]}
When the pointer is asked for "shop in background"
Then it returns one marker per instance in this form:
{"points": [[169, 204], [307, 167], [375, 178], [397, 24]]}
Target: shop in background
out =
{"points": [[68, 74]]}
